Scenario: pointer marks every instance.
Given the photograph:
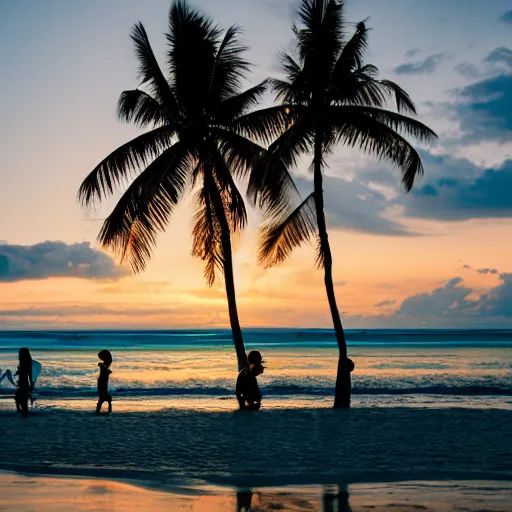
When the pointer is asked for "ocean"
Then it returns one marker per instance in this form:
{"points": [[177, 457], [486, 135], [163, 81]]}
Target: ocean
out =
{"points": [[196, 369]]}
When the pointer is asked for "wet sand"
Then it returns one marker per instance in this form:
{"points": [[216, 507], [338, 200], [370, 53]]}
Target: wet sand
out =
{"points": [[23, 493], [268, 448]]}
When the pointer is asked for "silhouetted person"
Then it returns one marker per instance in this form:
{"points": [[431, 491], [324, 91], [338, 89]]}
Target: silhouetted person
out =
{"points": [[25, 381], [243, 501], [247, 389], [103, 376]]}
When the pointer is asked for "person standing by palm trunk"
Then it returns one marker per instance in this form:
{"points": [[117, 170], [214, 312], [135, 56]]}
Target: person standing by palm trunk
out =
{"points": [[193, 119], [330, 97]]}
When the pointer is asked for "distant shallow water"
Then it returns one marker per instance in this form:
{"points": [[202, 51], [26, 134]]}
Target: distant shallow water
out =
{"points": [[158, 369], [262, 338]]}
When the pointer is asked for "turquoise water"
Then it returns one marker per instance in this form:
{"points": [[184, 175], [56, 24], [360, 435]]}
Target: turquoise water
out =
{"points": [[194, 367]]}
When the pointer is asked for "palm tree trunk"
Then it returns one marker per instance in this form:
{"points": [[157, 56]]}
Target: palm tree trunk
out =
{"points": [[343, 380], [231, 295], [229, 280]]}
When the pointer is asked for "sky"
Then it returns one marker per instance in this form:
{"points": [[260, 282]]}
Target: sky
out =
{"points": [[438, 257]]}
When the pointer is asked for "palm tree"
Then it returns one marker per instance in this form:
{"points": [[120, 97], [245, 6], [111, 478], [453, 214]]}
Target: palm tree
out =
{"points": [[331, 97], [194, 118]]}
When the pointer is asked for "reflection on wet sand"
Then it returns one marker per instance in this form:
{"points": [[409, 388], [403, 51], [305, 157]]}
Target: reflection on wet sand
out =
{"points": [[243, 501], [50, 494], [263, 502], [341, 499]]}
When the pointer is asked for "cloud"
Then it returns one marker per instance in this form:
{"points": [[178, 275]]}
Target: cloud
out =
{"points": [[412, 52], [438, 303], [280, 8], [499, 300], [500, 55], [449, 305], [468, 70], [384, 303], [483, 270], [426, 66], [72, 310], [340, 283], [386, 286], [56, 259], [506, 17], [177, 314], [484, 109], [427, 190], [354, 206], [458, 190]]}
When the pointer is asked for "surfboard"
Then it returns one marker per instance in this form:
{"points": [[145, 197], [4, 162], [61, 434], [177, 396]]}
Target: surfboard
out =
{"points": [[36, 370]]}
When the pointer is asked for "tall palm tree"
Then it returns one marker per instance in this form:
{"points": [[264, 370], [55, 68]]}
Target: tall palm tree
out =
{"points": [[331, 97], [194, 118]]}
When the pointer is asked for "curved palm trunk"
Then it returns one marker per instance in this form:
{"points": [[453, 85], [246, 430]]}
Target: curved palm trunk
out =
{"points": [[231, 295], [229, 280], [343, 380]]}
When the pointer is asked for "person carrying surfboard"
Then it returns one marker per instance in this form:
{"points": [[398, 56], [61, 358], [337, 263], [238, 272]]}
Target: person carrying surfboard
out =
{"points": [[25, 381], [105, 361]]}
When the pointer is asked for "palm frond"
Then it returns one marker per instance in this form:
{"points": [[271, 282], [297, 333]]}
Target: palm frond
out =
{"points": [[150, 72], [357, 83], [377, 135], [298, 85], [295, 141], [297, 88], [265, 125], [229, 67], [207, 236], [319, 37], [118, 166], [279, 238], [286, 92], [193, 41], [404, 103], [271, 187], [140, 108], [232, 200], [291, 67], [398, 122], [352, 54], [239, 153], [239, 104], [361, 89], [144, 209], [358, 89], [369, 70]]}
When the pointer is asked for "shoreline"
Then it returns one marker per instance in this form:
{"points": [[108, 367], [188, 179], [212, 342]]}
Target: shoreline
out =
{"points": [[167, 482], [268, 448], [227, 404]]}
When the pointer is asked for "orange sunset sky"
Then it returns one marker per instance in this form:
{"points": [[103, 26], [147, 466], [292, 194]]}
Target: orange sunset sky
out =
{"points": [[438, 257]]}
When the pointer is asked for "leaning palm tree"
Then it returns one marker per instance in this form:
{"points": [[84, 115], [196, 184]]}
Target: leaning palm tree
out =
{"points": [[331, 97], [193, 139]]}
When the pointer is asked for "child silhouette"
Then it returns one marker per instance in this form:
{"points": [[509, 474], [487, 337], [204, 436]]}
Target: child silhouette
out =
{"points": [[103, 376]]}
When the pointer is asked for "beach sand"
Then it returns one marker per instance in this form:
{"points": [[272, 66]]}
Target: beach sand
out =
{"points": [[28, 493], [268, 448]]}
